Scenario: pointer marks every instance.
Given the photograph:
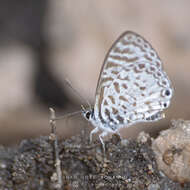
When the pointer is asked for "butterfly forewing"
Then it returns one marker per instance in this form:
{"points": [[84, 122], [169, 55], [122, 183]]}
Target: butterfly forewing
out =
{"points": [[132, 86]]}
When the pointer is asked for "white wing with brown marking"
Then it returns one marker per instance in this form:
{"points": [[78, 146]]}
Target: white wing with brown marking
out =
{"points": [[132, 85]]}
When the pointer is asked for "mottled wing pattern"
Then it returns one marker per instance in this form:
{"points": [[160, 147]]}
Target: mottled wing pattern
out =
{"points": [[132, 85]]}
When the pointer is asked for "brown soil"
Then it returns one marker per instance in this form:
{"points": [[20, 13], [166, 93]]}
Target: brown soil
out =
{"points": [[126, 164]]}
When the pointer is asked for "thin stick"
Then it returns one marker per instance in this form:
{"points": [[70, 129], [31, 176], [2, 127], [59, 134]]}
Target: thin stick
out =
{"points": [[53, 137]]}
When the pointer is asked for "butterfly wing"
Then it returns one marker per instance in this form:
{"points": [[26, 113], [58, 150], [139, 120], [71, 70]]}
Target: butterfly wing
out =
{"points": [[132, 85]]}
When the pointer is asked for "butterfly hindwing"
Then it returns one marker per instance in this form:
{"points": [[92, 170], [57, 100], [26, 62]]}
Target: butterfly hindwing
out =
{"points": [[131, 83]]}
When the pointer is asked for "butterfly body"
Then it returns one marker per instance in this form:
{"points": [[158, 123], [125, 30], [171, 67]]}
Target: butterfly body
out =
{"points": [[132, 86]]}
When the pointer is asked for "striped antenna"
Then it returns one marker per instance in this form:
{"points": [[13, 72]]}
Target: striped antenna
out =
{"points": [[66, 115], [81, 98]]}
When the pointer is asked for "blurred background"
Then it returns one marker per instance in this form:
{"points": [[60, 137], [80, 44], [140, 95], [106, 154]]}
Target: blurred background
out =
{"points": [[44, 42]]}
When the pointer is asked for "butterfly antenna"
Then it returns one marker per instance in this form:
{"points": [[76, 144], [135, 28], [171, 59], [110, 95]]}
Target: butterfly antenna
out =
{"points": [[82, 99], [67, 115], [83, 108]]}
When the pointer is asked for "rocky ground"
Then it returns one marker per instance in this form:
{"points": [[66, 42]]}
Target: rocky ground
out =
{"points": [[126, 164]]}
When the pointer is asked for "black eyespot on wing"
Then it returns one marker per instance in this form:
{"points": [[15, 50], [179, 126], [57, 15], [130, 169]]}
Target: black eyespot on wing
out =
{"points": [[165, 105], [167, 92]]}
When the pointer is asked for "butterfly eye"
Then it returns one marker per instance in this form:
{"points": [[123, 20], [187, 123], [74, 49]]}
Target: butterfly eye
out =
{"points": [[88, 115]]}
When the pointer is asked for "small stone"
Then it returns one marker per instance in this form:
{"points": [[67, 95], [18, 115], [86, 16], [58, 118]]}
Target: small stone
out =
{"points": [[2, 165], [54, 177], [150, 168], [153, 187], [172, 149], [105, 165], [124, 142], [168, 156], [143, 137], [99, 157]]}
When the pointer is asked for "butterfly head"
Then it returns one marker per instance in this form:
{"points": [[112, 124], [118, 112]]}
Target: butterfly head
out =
{"points": [[88, 114]]}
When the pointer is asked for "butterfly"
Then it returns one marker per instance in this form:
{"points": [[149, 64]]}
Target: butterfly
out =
{"points": [[132, 87]]}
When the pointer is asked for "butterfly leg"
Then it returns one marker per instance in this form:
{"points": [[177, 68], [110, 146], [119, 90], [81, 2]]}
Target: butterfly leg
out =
{"points": [[118, 133], [101, 139], [92, 132]]}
